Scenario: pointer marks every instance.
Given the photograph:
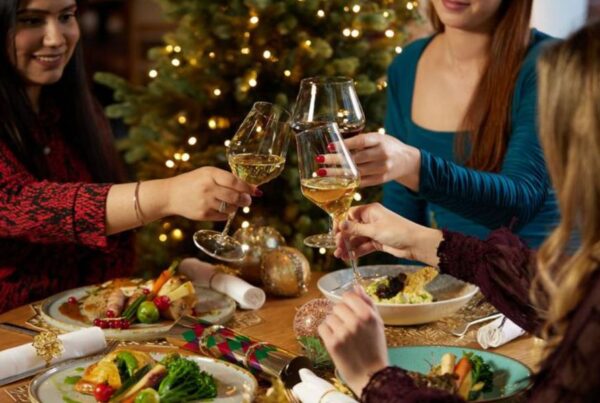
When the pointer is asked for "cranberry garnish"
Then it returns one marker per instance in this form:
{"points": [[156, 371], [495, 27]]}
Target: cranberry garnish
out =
{"points": [[72, 300], [110, 313], [162, 302]]}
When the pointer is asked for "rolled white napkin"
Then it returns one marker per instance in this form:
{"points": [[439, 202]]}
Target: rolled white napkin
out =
{"points": [[204, 275], [491, 335], [313, 389], [76, 344]]}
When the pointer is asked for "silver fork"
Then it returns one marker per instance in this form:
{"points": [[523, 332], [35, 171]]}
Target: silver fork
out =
{"points": [[110, 346], [460, 331]]}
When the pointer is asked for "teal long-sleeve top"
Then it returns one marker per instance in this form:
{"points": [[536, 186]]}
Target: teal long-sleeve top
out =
{"points": [[461, 199]]}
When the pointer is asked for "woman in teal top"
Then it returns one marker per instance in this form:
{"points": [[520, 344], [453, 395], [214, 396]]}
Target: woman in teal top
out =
{"points": [[503, 181]]}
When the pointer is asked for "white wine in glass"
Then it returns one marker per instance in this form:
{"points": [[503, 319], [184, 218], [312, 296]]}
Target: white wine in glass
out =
{"points": [[330, 185], [256, 155], [332, 194], [256, 169]]}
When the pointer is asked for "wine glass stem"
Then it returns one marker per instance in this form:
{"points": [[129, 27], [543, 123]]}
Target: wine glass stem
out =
{"points": [[229, 221], [353, 263], [331, 228]]}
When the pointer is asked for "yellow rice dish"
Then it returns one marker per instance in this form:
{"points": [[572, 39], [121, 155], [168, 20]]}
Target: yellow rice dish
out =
{"points": [[405, 288]]}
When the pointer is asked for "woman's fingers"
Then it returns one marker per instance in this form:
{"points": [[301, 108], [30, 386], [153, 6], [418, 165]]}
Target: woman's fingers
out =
{"points": [[228, 180], [371, 180], [362, 141], [232, 198], [359, 307], [369, 155], [372, 168]]}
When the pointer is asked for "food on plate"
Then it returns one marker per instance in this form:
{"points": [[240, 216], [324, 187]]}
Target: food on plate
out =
{"points": [[404, 288], [469, 377], [118, 303], [135, 377]]}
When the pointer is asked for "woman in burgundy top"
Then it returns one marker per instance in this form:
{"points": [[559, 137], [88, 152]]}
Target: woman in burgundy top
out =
{"points": [[59, 206], [554, 293]]}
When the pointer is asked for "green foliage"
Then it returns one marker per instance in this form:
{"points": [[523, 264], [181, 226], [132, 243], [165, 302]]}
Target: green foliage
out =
{"points": [[315, 350], [211, 70]]}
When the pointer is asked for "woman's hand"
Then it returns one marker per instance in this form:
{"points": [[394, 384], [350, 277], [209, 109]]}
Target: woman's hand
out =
{"points": [[372, 227], [353, 334], [383, 158], [198, 194]]}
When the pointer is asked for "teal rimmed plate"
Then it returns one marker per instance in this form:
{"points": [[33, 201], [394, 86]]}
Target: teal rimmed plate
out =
{"points": [[511, 377]]}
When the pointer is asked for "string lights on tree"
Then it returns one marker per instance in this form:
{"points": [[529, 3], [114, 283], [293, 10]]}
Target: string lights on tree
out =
{"points": [[221, 57]]}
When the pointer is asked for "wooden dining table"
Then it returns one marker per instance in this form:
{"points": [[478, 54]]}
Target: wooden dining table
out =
{"points": [[273, 323]]}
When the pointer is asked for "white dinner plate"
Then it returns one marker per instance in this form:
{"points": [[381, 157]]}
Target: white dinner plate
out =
{"points": [[234, 384], [218, 308], [449, 293]]}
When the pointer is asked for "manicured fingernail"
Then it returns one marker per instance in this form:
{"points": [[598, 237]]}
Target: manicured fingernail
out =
{"points": [[331, 147], [321, 172], [258, 192], [320, 159]]}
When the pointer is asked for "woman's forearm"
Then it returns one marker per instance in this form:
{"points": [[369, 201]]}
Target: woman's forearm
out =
{"points": [[121, 210]]}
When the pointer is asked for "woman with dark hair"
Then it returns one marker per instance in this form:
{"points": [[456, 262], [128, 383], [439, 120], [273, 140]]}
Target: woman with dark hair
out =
{"points": [[59, 205], [554, 292], [462, 150]]}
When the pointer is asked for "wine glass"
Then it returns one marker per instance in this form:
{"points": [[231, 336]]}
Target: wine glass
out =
{"points": [[328, 99], [328, 176], [256, 155]]}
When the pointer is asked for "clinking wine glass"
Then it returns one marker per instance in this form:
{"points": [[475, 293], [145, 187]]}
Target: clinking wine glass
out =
{"points": [[256, 155], [328, 176], [328, 99]]}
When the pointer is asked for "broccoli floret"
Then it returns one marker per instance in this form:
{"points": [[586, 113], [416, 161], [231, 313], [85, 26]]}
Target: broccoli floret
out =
{"points": [[481, 372], [169, 359], [185, 381]]}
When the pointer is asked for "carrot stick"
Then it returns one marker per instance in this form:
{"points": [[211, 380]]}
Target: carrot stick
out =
{"points": [[162, 279], [461, 370]]}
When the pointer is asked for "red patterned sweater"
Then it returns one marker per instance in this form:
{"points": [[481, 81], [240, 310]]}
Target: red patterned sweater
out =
{"points": [[52, 231]]}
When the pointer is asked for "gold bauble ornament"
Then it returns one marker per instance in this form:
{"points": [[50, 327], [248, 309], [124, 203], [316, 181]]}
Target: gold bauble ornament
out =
{"points": [[258, 240], [309, 317], [285, 272]]}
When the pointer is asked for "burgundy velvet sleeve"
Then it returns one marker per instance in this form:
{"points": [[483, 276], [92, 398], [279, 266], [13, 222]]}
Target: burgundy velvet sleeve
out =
{"points": [[393, 385], [50, 212], [501, 266]]}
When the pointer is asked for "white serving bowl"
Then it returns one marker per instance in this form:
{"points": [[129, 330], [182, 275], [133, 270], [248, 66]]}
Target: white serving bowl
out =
{"points": [[450, 294]]}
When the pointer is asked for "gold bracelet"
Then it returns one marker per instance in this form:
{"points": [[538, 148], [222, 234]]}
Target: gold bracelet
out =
{"points": [[136, 203]]}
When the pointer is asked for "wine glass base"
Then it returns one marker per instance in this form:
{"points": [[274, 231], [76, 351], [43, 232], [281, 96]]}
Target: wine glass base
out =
{"points": [[320, 241], [221, 247]]}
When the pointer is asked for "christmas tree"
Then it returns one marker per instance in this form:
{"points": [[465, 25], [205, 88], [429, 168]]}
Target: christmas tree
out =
{"points": [[222, 57]]}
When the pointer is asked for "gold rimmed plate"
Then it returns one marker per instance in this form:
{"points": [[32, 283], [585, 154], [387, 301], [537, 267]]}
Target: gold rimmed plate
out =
{"points": [[234, 384], [213, 306]]}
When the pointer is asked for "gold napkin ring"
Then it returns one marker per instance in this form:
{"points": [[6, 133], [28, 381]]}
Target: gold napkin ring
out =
{"points": [[48, 346], [327, 393]]}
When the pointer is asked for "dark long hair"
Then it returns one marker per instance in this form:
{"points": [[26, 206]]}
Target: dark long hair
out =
{"points": [[82, 122], [486, 124]]}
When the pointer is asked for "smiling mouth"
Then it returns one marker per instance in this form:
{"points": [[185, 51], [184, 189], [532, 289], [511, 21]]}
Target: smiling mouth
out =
{"points": [[48, 58]]}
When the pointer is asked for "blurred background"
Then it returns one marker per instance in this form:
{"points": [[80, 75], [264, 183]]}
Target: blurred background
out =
{"points": [[118, 33]]}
